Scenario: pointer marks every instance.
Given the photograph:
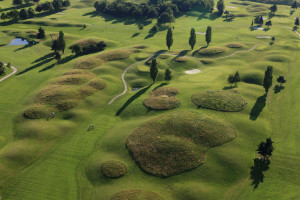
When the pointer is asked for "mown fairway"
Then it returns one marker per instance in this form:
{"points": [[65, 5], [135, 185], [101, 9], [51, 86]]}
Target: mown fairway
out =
{"points": [[60, 158]]}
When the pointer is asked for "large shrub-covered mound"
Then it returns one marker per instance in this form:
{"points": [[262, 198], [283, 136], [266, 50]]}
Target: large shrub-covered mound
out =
{"points": [[88, 63], [113, 169], [118, 54], [177, 142], [234, 45], [136, 195], [210, 51], [38, 111], [229, 101], [74, 79], [162, 99]]}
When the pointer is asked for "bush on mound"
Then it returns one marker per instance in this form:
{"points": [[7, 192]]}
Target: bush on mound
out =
{"points": [[136, 195], [162, 99], [234, 45], [210, 51], [181, 59], [88, 63], [141, 46], [113, 169], [115, 55], [74, 79], [164, 56], [37, 111], [84, 43], [175, 143], [219, 100]]}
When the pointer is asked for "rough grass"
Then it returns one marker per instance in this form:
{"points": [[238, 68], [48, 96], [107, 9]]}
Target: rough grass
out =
{"points": [[141, 46], [74, 79], [175, 143], [77, 71], [234, 45], [88, 63], [210, 51], [163, 56], [136, 195], [98, 84], [113, 169], [181, 59], [207, 61], [162, 99], [115, 55], [228, 101], [38, 111], [253, 78]]}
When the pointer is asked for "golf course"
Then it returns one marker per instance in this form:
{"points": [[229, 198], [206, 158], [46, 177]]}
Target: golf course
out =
{"points": [[101, 102]]}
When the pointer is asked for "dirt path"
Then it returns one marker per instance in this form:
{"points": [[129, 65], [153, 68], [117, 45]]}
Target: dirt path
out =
{"points": [[9, 75]]}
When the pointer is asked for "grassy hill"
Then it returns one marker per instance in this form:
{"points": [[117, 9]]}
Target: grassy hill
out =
{"points": [[61, 157]]}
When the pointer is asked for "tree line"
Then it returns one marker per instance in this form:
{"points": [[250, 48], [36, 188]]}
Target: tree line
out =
{"points": [[165, 12], [54, 6]]}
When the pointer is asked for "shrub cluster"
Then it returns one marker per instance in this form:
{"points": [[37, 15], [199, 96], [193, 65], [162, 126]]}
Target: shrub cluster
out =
{"points": [[87, 49]]}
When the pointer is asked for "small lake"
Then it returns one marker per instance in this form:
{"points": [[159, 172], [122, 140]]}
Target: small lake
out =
{"points": [[18, 41]]}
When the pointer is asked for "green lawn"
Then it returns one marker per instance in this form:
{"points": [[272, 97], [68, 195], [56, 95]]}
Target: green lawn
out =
{"points": [[52, 158]]}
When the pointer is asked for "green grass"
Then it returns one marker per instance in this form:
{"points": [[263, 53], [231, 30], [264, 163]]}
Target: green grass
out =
{"points": [[136, 195], [42, 159]]}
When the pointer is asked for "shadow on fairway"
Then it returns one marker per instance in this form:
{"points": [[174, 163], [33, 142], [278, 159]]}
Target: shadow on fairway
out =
{"points": [[131, 99], [258, 107], [256, 171]]}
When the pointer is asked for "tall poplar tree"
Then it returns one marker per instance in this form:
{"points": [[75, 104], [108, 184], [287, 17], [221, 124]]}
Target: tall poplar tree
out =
{"points": [[208, 35], [192, 40], [153, 70], [169, 38], [61, 42], [268, 78]]}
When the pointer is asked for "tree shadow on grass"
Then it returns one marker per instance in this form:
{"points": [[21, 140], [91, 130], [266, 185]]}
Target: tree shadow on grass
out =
{"points": [[36, 65], [25, 47], [256, 171], [131, 99], [160, 85], [135, 35], [278, 88], [181, 54], [229, 87], [258, 107], [47, 56], [47, 68]]}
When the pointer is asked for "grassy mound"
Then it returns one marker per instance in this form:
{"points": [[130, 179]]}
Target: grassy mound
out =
{"points": [[253, 78], [142, 56], [219, 100], [88, 63], [141, 46], [163, 56], [234, 45], [97, 84], [174, 143], [210, 51], [76, 71], [38, 111], [136, 195], [113, 169], [74, 79], [181, 59], [115, 55], [162, 99], [207, 61]]}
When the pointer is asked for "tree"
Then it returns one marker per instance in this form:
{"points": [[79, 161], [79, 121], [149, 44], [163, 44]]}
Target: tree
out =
{"points": [[23, 14], [220, 7], [265, 149], [154, 29], [8, 65], [61, 42], [295, 5], [269, 23], [168, 75], [38, 8], [273, 8], [297, 21], [258, 20], [77, 50], [57, 57], [192, 40], [252, 24], [54, 46], [14, 14], [153, 70], [208, 35], [268, 78], [3, 16], [165, 18], [66, 3], [230, 79], [169, 38], [36, 1], [41, 33], [281, 80], [236, 78], [30, 12], [2, 68], [17, 2]]}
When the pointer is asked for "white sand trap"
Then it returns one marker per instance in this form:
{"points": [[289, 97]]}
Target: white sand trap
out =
{"points": [[263, 36], [264, 18], [201, 33], [193, 71], [231, 7], [61, 13], [258, 28]]}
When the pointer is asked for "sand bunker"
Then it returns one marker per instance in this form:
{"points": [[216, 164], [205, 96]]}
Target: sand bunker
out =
{"points": [[201, 33], [193, 71], [258, 28], [263, 36], [231, 7]]}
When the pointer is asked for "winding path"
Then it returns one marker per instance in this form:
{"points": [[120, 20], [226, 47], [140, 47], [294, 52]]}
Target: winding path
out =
{"points": [[9, 75]]}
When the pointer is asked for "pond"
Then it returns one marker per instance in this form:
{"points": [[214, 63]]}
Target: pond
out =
{"points": [[18, 41], [135, 89]]}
